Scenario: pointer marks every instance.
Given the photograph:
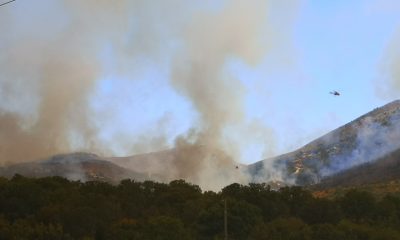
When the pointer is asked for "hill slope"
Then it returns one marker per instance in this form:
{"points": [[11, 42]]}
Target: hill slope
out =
{"points": [[383, 170], [365, 139], [74, 166]]}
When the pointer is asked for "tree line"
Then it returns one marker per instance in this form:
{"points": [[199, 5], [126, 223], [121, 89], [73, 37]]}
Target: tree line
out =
{"points": [[56, 208]]}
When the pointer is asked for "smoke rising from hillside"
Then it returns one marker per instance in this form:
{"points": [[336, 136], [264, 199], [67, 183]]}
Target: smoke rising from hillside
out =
{"points": [[49, 73], [374, 140], [50, 68], [62, 73], [199, 74]]}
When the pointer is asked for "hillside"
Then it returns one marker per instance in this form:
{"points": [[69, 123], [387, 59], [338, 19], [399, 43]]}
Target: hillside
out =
{"points": [[378, 189], [383, 170], [363, 151], [155, 165], [363, 140], [74, 166]]}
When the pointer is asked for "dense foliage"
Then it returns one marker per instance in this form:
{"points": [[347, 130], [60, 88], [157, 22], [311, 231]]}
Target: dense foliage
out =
{"points": [[55, 208]]}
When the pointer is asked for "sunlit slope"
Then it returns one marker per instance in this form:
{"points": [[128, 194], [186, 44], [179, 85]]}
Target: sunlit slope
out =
{"points": [[363, 140]]}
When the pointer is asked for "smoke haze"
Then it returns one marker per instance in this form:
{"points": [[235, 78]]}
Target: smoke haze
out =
{"points": [[49, 73], [51, 65], [56, 55]]}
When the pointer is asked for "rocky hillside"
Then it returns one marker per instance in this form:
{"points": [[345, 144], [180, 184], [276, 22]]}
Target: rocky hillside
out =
{"points": [[363, 140]]}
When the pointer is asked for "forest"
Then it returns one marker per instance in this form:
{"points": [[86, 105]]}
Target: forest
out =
{"points": [[56, 208]]}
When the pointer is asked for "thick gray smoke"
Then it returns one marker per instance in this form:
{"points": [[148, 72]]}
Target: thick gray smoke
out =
{"points": [[44, 86], [50, 66], [199, 73]]}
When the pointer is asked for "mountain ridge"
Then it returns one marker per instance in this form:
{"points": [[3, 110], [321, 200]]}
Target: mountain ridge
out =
{"points": [[364, 139], [73, 166], [368, 138]]}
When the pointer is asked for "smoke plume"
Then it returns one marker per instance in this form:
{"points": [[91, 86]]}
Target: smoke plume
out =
{"points": [[51, 66], [48, 74], [61, 74], [199, 73]]}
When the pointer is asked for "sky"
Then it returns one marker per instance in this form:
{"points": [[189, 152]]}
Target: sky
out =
{"points": [[256, 76]]}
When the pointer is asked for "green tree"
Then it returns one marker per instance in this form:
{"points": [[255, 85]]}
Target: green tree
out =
{"points": [[164, 228], [241, 217], [282, 229], [318, 211], [326, 232], [359, 205]]}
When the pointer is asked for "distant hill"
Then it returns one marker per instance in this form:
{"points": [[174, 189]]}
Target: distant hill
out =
{"points": [[155, 165], [162, 166], [363, 140], [74, 166], [195, 163], [366, 150]]}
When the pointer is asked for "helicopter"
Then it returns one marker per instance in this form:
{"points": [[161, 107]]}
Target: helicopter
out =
{"points": [[335, 93]]}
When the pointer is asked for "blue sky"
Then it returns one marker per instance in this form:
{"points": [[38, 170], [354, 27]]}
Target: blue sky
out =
{"points": [[326, 45]]}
